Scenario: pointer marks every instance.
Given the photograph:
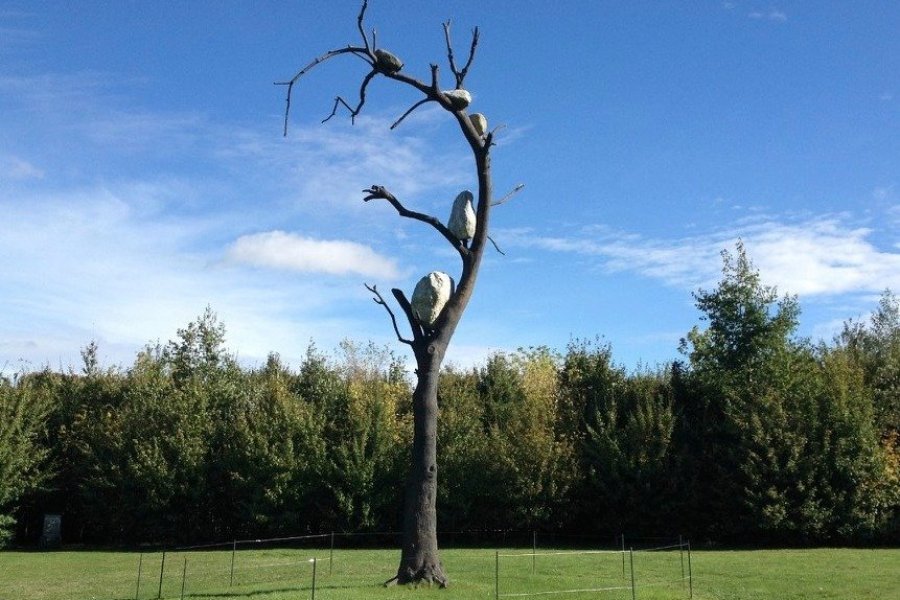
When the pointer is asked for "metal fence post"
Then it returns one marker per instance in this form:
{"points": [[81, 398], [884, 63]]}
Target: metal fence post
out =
{"points": [[137, 591], [497, 575], [623, 555], [162, 568], [631, 554], [533, 552], [233, 552], [690, 572], [681, 552], [331, 555], [314, 579], [183, 577]]}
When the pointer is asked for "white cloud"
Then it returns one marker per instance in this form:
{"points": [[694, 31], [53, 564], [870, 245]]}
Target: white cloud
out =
{"points": [[816, 257], [773, 14], [13, 167], [280, 250]]}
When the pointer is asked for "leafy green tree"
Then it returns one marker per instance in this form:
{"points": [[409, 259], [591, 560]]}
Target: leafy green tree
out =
{"points": [[625, 442], [778, 435], [23, 456], [524, 454], [874, 347]]}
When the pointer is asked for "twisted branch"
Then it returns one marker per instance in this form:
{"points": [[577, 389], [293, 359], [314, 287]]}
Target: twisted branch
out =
{"points": [[362, 99], [409, 111], [380, 192], [379, 300]]}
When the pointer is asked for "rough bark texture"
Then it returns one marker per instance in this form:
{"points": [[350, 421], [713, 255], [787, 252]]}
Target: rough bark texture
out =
{"points": [[419, 560]]}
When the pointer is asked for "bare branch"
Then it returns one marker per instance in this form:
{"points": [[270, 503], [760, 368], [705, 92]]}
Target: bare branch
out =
{"points": [[465, 71], [460, 75], [450, 52], [379, 300], [362, 99], [408, 112], [355, 50], [362, 32], [509, 195], [400, 297], [380, 192], [496, 247]]}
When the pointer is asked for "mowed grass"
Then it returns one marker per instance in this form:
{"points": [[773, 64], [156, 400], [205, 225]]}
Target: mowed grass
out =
{"points": [[286, 574]]}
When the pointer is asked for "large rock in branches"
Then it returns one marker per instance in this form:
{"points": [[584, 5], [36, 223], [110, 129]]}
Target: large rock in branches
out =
{"points": [[479, 122], [462, 216], [459, 98], [387, 61], [431, 294]]}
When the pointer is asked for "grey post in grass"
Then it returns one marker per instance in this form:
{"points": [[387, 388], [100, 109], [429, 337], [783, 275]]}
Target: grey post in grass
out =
{"points": [[690, 572], [623, 555], [497, 575], [533, 552], [137, 591], [183, 577], [631, 555], [331, 555], [233, 551], [162, 568], [314, 579], [681, 551]]}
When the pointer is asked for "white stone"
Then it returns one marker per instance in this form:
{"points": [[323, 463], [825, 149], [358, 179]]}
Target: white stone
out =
{"points": [[431, 294], [462, 216], [479, 122], [459, 98]]}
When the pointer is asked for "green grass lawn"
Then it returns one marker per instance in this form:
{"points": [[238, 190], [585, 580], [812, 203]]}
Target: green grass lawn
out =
{"points": [[845, 574]]}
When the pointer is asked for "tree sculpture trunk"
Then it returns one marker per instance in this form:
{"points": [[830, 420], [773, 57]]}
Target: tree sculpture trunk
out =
{"points": [[420, 561]]}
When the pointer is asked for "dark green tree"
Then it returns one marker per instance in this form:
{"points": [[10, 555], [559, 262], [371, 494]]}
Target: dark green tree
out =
{"points": [[736, 367], [23, 455]]}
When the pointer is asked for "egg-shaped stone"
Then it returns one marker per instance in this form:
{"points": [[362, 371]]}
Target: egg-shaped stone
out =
{"points": [[429, 297], [459, 98], [462, 216], [479, 122], [387, 61]]}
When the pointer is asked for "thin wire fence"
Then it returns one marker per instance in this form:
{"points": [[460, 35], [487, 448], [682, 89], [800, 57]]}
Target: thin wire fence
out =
{"points": [[334, 561]]}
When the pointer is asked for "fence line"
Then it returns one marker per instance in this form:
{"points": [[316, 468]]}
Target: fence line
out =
{"points": [[563, 553], [634, 580]]}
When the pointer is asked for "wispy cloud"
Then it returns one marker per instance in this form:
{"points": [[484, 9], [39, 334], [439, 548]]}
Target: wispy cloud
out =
{"points": [[816, 257], [292, 252], [13, 167], [96, 246], [773, 14]]}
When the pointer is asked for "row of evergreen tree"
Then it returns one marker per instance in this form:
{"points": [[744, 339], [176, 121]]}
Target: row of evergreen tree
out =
{"points": [[756, 436]]}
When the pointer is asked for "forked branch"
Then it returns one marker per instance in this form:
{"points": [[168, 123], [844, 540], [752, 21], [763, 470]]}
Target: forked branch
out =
{"points": [[361, 52], [380, 300], [460, 75], [362, 99], [380, 192]]}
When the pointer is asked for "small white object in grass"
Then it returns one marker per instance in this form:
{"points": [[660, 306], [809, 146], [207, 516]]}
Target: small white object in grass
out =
{"points": [[462, 216], [431, 294]]}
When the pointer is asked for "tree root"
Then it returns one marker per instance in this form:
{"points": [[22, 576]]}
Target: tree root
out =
{"points": [[428, 574]]}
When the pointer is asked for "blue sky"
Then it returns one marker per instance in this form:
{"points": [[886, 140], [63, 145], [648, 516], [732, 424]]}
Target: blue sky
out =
{"points": [[143, 175]]}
